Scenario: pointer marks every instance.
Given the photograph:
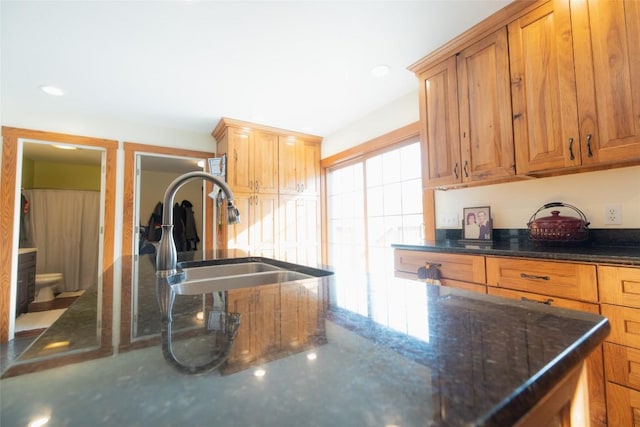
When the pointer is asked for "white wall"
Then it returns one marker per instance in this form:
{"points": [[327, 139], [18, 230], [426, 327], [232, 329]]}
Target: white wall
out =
{"points": [[119, 131], [512, 204], [398, 113]]}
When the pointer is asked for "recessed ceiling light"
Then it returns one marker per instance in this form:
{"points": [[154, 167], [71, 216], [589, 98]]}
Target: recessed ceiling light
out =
{"points": [[52, 90], [380, 70]]}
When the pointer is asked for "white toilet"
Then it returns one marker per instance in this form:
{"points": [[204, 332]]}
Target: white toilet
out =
{"points": [[45, 285]]}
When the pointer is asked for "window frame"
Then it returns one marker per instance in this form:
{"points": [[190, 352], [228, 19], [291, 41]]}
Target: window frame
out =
{"points": [[398, 138]]}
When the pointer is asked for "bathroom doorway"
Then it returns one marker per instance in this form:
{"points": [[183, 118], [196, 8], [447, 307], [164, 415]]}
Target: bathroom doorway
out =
{"points": [[43, 166], [148, 172], [60, 221]]}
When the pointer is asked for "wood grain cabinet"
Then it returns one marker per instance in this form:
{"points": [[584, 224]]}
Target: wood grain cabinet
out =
{"points": [[275, 177], [620, 296], [486, 128], [465, 112], [299, 163], [560, 284], [26, 285], [574, 68], [458, 271]]}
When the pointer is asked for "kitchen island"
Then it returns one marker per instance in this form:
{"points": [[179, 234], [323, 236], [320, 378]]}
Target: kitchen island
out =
{"points": [[388, 351]]}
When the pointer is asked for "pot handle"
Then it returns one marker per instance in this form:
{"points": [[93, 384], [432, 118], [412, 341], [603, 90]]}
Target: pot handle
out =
{"points": [[559, 205]]}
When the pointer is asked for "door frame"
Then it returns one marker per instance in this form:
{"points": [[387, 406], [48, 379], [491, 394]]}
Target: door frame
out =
{"points": [[131, 151], [11, 138]]}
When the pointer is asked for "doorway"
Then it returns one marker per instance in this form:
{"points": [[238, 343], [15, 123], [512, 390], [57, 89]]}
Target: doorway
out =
{"points": [[148, 171], [17, 142]]}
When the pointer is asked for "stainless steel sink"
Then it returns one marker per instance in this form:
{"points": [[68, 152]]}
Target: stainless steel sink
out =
{"points": [[202, 277], [220, 270], [205, 285]]}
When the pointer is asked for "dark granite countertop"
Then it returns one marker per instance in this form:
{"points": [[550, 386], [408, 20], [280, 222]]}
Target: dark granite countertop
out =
{"points": [[602, 249], [335, 351]]}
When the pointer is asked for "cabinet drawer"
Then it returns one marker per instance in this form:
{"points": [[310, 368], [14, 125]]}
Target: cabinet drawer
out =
{"points": [[465, 268], [619, 285], [623, 406], [561, 279], [622, 365], [545, 299], [625, 324]]}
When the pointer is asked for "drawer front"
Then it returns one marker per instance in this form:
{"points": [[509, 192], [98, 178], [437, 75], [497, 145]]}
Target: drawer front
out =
{"points": [[619, 285], [560, 279], [545, 299], [622, 365], [465, 268], [625, 324], [623, 406]]}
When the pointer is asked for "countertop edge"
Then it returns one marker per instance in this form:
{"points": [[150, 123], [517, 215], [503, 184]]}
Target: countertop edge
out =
{"points": [[549, 253]]}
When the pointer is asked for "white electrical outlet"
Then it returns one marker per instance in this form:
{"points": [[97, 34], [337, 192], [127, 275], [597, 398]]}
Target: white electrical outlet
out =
{"points": [[449, 220], [613, 215]]}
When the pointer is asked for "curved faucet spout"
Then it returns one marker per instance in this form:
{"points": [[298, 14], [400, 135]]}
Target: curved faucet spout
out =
{"points": [[166, 257]]}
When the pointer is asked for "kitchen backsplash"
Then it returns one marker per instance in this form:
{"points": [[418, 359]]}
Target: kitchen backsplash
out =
{"points": [[597, 237]]}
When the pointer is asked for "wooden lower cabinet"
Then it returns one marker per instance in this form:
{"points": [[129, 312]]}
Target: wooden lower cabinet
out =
{"points": [[620, 296], [457, 271], [623, 406], [595, 361]]}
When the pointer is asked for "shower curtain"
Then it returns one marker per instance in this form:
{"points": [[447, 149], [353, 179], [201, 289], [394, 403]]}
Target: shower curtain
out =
{"points": [[64, 226]]}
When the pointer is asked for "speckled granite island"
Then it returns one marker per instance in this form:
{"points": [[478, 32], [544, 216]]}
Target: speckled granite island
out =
{"points": [[380, 352]]}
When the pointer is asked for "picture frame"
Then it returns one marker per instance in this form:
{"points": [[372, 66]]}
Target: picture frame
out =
{"points": [[477, 224]]}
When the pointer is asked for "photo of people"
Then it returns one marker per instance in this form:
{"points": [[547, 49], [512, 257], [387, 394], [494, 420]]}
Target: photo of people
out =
{"points": [[477, 223]]}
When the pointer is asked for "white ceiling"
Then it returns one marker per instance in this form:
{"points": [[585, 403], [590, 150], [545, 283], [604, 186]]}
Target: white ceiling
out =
{"points": [[297, 65]]}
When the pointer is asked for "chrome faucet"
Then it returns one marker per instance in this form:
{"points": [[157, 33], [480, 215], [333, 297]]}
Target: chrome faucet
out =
{"points": [[167, 257], [167, 274]]}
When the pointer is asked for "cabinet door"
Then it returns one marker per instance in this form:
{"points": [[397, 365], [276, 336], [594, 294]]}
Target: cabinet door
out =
{"points": [[287, 170], [545, 113], [299, 229], [439, 125], [265, 163], [607, 47], [486, 128], [263, 239], [309, 170], [239, 235], [240, 160]]}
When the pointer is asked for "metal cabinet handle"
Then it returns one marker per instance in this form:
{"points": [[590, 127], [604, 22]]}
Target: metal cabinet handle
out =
{"points": [[257, 186], [455, 170], [548, 301], [534, 277], [465, 168], [589, 152], [571, 156]]}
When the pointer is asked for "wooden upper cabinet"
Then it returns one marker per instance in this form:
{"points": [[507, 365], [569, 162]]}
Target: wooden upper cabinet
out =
{"points": [[484, 93], [545, 111], [575, 85], [465, 108], [265, 158], [439, 125], [252, 157], [607, 56], [299, 166], [238, 146]]}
